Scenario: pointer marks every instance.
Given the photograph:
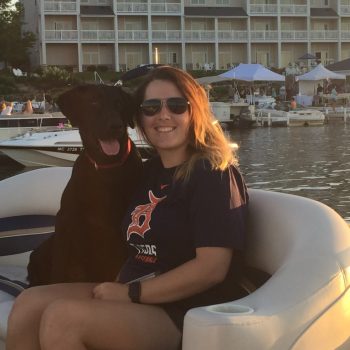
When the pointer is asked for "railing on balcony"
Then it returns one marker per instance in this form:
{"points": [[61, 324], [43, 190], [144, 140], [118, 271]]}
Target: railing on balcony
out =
{"points": [[293, 10], [61, 35], [133, 35], [208, 3], [131, 7], [345, 35], [100, 35], [166, 35], [294, 35], [156, 8], [96, 2], [232, 35], [264, 35], [165, 7], [199, 35], [263, 9], [345, 9], [325, 35], [55, 6], [318, 4]]}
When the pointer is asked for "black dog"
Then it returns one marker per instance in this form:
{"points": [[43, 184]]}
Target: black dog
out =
{"points": [[87, 245]]}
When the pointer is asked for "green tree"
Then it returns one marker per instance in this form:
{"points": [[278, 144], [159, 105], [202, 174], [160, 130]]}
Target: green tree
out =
{"points": [[14, 44]]}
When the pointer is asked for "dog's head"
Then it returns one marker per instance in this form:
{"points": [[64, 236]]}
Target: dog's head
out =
{"points": [[102, 114]]}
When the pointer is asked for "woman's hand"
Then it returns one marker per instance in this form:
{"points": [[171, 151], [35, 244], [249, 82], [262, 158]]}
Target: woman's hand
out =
{"points": [[111, 291]]}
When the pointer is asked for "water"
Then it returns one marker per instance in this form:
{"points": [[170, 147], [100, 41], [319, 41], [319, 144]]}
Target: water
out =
{"points": [[309, 161], [312, 162]]}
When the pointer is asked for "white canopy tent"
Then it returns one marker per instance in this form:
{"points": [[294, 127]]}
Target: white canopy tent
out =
{"points": [[251, 73], [308, 81]]}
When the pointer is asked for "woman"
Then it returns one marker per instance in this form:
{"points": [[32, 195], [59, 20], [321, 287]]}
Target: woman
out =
{"points": [[185, 231]]}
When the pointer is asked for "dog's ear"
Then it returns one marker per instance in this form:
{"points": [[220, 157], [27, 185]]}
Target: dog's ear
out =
{"points": [[129, 108], [69, 103]]}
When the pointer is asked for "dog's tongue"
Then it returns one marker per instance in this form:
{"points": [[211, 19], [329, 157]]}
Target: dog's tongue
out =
{"points": [[110, 147]]}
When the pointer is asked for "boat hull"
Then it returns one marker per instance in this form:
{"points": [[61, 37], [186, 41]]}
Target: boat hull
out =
{"points": [[14, 125], [37, 157]]}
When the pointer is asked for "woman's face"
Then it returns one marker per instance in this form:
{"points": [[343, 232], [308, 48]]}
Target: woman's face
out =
{"points": [[167, 131]]}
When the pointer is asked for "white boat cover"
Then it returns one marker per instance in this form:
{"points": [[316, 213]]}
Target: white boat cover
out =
{"points": [[302, 243]]}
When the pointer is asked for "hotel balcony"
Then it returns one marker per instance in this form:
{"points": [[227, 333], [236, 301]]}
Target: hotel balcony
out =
{"points": [[232, 35], [324, 35], [263, 9], [97, 35], [157, 8], [345, 35], [96, 2], [210, 3], [293, 10], [264, 35], [133, 35], [61, 7], [294, 35], [199, 35], [345, 8], [166, 35], [61, 35]]}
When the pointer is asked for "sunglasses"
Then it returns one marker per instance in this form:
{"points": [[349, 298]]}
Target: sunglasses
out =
{"points": [[176, 105]]}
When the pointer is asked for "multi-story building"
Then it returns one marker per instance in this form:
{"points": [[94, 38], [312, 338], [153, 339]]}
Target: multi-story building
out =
{"points": [[192, 34]]}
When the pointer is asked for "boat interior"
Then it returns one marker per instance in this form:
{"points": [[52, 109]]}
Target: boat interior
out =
{"points": [[303, 244]]}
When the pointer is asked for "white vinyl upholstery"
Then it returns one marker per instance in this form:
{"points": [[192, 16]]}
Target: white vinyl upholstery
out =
{"points": [[305, 245], [302, 243]]}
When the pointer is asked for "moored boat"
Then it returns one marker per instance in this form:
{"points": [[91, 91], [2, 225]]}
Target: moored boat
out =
{"points": [[17, 124], [55, 147], [298, 117]]}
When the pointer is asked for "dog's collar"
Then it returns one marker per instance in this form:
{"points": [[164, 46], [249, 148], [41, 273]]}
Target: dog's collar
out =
{"points": [[111, 165]]}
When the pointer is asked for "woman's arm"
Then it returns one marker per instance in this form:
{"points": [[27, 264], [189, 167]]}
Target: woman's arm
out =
{"points": [[207, 269]]}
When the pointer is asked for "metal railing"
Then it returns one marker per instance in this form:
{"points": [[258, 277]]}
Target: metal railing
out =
{"points": [[133, 35], [100, 35], [55, 6], [263, 35], [141, 7], [293, 9], [294, 35], [166, 35], [324, 35], [263, 9], [232, 35], [61, 35]]}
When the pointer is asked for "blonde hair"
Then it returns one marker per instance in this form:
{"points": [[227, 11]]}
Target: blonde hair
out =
{"points": [[207, 139]]}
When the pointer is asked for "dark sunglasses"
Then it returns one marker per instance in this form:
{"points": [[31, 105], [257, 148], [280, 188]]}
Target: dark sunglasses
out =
{"points": [[176, 105]]}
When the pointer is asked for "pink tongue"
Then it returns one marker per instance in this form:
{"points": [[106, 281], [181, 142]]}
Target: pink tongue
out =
{"points": [[110, 147]]}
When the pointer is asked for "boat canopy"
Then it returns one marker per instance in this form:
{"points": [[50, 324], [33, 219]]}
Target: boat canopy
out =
{"points": [[251, 73]]}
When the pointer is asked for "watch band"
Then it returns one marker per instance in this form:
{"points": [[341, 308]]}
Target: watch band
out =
{"points": [[134, 292]]}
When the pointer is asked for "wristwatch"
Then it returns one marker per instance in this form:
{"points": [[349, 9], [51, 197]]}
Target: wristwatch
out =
{"points": [[134, 292]]}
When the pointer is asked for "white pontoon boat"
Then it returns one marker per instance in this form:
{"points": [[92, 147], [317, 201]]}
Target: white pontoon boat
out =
{"points": [[302, 243], [17, 124], [55, 147]]}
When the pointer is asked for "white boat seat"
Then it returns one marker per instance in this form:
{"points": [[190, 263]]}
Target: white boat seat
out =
{"points": [[302, 243], [305, 246]]}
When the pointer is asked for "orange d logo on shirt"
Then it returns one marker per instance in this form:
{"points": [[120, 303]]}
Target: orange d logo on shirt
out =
{"points": [[143, 211]]}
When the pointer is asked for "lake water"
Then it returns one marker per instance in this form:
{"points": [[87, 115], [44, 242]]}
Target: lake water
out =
{"points": [[309, 161]]}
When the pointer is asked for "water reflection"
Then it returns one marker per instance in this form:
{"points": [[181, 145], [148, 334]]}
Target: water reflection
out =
{"points": [[309, 161]]}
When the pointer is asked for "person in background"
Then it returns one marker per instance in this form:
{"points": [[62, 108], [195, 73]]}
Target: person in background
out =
{"points": [[185, 230], [27, 108], [334, 97], [2, 106], [8, 109], [293, 103]]}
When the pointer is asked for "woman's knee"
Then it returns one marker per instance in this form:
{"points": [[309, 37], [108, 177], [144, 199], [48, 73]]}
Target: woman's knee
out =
{"points": [[61, 319], [25, 304]]}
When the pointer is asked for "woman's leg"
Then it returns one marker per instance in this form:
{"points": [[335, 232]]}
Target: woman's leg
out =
{"points": [[24, 320], [97, 324]]}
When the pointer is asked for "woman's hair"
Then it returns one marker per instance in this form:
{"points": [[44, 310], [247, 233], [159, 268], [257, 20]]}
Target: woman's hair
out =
{"points": [[207, 139]]}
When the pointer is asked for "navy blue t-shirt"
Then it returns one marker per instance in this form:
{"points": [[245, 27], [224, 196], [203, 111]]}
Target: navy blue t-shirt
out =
{"points": [[168, 220]]}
